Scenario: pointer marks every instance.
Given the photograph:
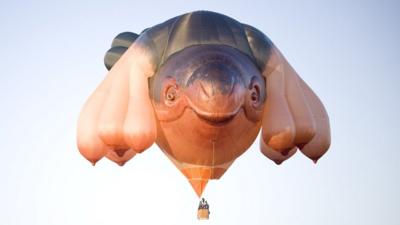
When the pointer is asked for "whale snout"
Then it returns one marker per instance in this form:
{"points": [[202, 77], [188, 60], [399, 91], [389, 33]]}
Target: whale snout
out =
{"points": [[216, 90], [215, 82], [215, 79]]}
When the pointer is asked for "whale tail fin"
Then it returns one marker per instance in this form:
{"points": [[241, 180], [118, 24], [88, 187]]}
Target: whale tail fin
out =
{"points": [[118, 47]]}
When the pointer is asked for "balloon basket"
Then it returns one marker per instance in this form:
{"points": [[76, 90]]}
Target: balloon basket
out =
{"points": [[203, 214]]}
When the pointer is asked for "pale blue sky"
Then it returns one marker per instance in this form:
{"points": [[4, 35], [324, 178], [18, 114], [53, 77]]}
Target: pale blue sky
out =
{"points": [[52, 58]]}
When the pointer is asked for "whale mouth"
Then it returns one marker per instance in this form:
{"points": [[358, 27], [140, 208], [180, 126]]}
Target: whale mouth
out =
{"points": [[216, 119]]}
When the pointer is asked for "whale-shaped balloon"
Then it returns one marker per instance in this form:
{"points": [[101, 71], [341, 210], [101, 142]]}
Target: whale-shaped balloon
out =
{"points": [[201, 86]]}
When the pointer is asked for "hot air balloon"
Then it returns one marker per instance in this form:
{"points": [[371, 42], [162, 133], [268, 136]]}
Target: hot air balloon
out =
{"points": [[201, 86]]}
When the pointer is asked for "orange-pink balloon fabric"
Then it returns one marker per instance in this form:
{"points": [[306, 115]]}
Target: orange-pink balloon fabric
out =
{"points": [[204, 125]]}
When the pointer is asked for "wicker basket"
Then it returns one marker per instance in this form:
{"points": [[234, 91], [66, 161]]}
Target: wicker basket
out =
{"points": [[203, 214]]}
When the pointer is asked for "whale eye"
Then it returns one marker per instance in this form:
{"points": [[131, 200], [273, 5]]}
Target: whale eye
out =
{"points": [[255, 94], [254, 97], [171, 95]]}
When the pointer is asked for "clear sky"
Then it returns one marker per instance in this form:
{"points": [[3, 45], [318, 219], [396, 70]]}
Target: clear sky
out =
{"points": [[51, 59]]}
